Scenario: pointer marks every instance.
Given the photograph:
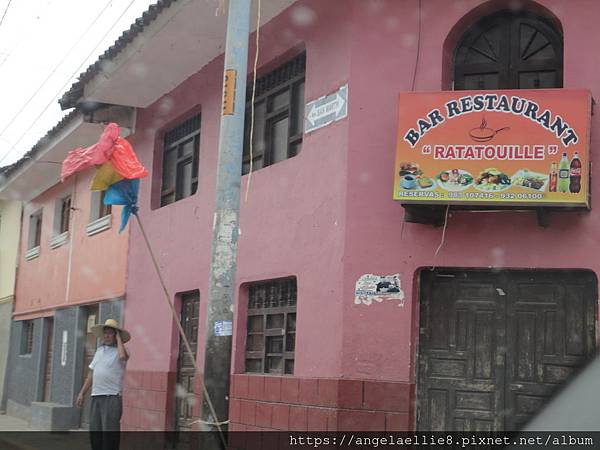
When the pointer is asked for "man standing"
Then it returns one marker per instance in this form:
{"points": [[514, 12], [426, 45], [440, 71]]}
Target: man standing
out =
{"points": [[106, 379]]}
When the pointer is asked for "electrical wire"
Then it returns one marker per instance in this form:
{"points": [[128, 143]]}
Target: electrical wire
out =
{"points": [[5, 11], [443, 237], [69, 80], [414, 78], [86, 31], [252, 103]]}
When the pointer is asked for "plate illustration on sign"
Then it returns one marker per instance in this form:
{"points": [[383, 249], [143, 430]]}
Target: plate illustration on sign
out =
{"points": [[455, 180], [492, 179], [530, 180]]}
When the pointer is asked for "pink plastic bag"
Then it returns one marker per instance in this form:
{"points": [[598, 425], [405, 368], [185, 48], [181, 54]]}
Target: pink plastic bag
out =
{"points": [[125, 162], [99, 153]]}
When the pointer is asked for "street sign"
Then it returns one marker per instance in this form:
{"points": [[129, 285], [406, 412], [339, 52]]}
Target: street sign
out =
{"points": [[327, 109]]}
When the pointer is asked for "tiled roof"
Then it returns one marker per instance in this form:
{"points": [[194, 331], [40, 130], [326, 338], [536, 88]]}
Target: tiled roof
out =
{"points": [[75, 92]]}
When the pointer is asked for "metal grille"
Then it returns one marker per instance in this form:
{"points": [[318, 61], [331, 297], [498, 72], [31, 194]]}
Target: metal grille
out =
{"points": [[180, 131], [273, 294], [279, 76], [271, 327], [27, 341]]}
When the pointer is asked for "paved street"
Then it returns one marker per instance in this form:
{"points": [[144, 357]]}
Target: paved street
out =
{"points": [[9, 423], [15, 434]]}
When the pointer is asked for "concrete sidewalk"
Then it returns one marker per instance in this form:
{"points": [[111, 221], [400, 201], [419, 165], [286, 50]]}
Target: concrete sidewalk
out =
{"points": [[9, 423], [16, 434]]}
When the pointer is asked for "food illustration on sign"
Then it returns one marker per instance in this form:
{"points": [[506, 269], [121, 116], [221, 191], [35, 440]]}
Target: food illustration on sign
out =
{"points": [[492, 179], [412, 177], [455, 179], [410, 168], [532, 180], [484, 134]]}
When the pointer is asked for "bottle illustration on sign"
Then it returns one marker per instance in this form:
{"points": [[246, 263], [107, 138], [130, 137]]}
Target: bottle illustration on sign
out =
{"points": [[563, 173], [553, 178], [575, 174]]}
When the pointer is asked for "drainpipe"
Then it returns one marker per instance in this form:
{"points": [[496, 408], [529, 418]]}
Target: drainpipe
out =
{"points": [[71, 239], [218, 338]]}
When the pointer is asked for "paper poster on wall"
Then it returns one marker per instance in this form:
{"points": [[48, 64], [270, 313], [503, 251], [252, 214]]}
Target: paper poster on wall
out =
{"points": [[63, 350], [223, 328], [378, 288]]}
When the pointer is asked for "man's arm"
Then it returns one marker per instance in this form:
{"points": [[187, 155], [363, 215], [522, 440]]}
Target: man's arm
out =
{"points": [[86, 386], [123, 355]]}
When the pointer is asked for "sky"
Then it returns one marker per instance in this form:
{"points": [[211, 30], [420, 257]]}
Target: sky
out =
{"points": [[44, 46]]}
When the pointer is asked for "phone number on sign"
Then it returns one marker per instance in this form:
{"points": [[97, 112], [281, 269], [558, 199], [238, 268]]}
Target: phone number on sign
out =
{"points": [[521, 196]]}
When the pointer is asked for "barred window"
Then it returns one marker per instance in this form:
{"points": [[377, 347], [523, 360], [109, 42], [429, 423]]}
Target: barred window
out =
{"points": [[27, 338], [278, 116], [181, 151], [271, 332]]}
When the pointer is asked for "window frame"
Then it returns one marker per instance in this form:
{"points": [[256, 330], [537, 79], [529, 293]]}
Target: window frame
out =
{"points": [[65, 214], [176, 188], [35, 236], [292, 110], [286, 307], [27, 338]]}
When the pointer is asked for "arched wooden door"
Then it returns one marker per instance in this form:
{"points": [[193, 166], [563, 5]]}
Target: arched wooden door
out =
{"points": [[509, 51]]}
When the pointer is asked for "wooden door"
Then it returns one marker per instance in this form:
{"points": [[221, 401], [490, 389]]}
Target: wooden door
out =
{"points": [[509, 51], [185, 364], [551, 333], [91, 344], [48, 362], [494, 346]]}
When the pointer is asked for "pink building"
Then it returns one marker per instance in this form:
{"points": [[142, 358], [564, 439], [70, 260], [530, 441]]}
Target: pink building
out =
{"points": [[71, 275], [471, 326]]}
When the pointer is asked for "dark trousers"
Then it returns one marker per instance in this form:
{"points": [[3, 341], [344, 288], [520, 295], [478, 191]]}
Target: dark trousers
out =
{"points": [[105, 422]]}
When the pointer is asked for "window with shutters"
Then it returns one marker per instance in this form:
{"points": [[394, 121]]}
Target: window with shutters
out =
{"points": [[278, 116], [509, 50], [181, 150], [271, 332]]}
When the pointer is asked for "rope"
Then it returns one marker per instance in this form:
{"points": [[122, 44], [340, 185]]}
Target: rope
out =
{"points": [[443, 237], [181, 331], [252, 103]]}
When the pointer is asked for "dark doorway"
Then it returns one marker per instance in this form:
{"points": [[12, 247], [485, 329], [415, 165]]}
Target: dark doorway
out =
{"points": [[48, 362], [91, 344], [184, 403], [495, 345]]}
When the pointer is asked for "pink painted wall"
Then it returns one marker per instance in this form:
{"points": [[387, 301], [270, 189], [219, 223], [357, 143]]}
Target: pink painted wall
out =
{"points": [[98, 263], [383, 60], [327, 215], [292, 223]]}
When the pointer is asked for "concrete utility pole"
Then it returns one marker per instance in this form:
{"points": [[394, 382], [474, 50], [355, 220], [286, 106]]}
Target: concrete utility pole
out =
{"points": [[219, 320]]}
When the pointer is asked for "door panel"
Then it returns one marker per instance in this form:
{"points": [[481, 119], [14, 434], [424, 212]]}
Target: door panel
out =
{"points": [[549, 333], [494, 346], [48, 362], [185, 365], [463, 384], [91, 344]]}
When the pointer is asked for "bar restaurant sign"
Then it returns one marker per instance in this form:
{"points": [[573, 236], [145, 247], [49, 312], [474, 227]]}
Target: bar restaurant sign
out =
{"points": [[494, 147]]}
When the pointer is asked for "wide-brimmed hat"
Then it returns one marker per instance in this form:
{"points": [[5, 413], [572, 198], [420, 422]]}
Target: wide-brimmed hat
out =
{"points": [[98, 330]]}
